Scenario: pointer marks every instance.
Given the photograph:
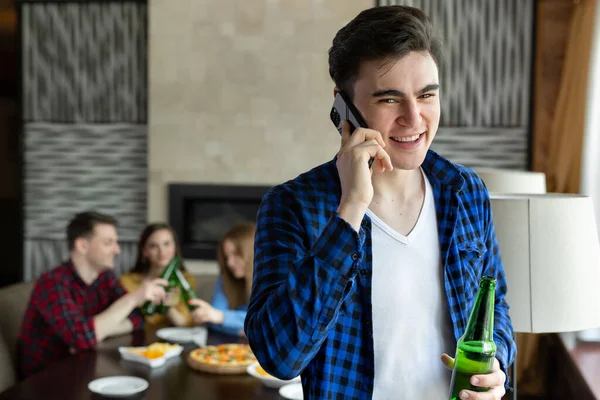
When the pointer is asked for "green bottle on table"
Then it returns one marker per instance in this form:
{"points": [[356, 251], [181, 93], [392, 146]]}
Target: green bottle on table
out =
{"points": [[475, 350], [149, 308], [187, 291]]}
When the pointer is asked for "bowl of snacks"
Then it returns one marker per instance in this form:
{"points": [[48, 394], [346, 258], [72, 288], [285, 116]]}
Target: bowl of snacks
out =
{"points": [[153, 355], [268, 380]]}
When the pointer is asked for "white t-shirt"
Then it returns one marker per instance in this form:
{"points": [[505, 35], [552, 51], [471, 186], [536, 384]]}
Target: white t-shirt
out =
{"points": [[411, 319]]}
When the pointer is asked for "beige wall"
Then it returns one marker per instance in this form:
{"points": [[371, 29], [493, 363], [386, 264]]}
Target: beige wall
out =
{"points": [[239, 90]]}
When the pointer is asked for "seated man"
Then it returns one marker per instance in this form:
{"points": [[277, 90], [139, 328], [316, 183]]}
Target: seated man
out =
{"points": [[80, 303]]}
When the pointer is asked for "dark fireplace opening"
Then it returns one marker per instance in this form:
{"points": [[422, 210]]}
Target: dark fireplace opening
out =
{"points": [[201, 214]]}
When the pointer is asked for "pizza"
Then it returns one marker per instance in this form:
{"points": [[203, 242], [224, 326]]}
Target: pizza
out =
{"points": [[230, 358]]}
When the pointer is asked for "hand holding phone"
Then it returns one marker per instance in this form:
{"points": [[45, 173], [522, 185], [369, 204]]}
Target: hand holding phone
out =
{"points": [[355, 180], [344, 110]]}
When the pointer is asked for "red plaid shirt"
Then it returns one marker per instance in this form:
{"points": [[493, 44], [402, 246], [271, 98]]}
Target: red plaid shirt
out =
{"points": [[60, 316]]}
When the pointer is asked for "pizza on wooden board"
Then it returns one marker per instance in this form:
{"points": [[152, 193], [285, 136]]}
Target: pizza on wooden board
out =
{"points": [[231, 358]]}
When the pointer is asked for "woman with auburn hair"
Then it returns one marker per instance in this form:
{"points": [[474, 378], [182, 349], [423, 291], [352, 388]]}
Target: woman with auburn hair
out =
{"points": [[156, 248], [227, 310]]}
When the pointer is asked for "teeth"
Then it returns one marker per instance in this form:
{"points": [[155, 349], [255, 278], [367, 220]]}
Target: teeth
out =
{"points": [[406, 139]]}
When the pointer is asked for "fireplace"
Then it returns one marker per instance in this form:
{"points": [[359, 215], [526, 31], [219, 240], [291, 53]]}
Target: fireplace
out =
{"points": [[201, 214]]}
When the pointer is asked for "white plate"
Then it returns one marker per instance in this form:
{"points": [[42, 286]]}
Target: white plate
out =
{"points": [[197, 335], [118, 386], [126, 354], [293, 391], [268, 381]]}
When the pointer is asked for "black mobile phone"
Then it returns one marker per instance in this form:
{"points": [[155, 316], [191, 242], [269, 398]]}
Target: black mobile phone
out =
{"points": [[343, 109]]}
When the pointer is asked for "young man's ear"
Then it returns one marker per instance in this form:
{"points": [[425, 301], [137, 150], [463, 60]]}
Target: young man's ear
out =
{"points": [[81, 245], [335, 91]]}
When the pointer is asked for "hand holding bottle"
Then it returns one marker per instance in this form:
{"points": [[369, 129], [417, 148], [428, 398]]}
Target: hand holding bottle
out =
{"points": [[204, 312], [152, 291], [476, 372], [494, 380], [172, 296]]}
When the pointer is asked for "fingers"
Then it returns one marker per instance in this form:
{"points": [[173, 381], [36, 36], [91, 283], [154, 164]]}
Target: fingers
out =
{"points": [[495, 393], [359, 135], [495, 381], [157, 294], [447, 361], [371, 148], [496, 378], [384, 162], [197, 302], [365, 143], [362, 135]]}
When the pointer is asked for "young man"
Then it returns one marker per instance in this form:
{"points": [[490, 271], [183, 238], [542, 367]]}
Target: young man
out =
{"points": [[364, 278], [80, 303]]}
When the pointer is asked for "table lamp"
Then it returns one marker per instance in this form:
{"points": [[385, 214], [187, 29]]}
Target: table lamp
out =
{"points": [[551, 256], [550, 252], [512, 181]]}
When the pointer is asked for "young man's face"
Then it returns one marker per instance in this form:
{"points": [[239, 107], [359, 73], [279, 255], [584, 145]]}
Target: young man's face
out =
{"points": [[102, 247], [400, 99]]}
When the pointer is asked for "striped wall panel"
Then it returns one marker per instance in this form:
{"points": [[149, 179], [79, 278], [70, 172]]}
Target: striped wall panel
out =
{"points": [[84, 62], [488, 50], [72, 168], [84, 108], [485, 79], [484, 147]]}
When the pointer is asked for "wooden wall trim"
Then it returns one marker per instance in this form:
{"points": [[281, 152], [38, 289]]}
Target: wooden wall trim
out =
{"points": [[552, 31]]}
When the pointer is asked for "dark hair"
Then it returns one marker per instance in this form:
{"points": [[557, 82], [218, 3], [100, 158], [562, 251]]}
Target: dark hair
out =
{"points": [[380, 33], [83, 224], [142, 266]]}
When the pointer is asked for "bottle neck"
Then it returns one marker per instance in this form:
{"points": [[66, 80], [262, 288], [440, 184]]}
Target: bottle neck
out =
{"points": [[185, 285], [481, 321], [170, 268]]}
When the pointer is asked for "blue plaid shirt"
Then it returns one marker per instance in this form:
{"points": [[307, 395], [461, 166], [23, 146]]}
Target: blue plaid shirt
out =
{"points": [[310, 310]]}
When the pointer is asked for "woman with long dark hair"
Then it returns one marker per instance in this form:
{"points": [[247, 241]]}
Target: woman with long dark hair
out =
{"points": [[156, 248]]}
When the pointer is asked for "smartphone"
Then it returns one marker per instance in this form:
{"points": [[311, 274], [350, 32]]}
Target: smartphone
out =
{"points": [[343, 109]]}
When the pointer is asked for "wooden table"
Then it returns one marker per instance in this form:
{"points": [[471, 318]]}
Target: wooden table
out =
{"points": [[69, 378]]}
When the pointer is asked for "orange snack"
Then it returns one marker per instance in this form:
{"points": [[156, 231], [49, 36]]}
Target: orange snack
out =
{"points": [[261, 371]]}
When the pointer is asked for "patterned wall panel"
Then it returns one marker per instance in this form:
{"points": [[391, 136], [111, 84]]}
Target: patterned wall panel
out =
{"points": [[484, 147], [85, 111], [84, 62], [485, 77], [71, 168]]}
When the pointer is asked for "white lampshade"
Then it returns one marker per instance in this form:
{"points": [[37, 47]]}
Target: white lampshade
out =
{"points": [[551, 256], [512, 181]]}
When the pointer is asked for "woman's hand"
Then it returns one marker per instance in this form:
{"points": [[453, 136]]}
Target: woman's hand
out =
{"points": [[172, 297], [204, 312]]}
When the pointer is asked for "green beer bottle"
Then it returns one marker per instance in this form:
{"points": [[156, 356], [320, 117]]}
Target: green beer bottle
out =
{"points": [[187, 291], [475, 350], [149, 308]]}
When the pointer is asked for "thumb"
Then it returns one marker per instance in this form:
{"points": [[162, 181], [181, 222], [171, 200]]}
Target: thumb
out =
{"points": [[160, 281], [195, 302], [447, 361]]}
